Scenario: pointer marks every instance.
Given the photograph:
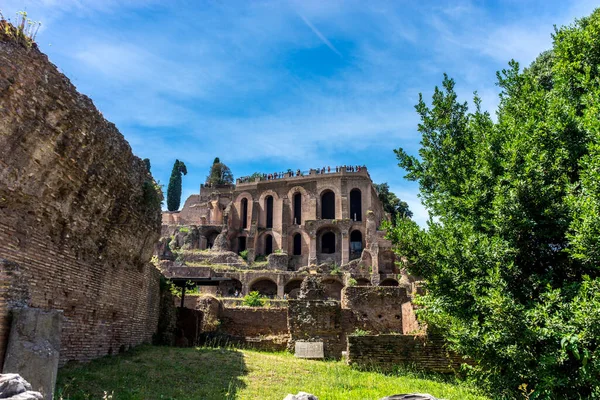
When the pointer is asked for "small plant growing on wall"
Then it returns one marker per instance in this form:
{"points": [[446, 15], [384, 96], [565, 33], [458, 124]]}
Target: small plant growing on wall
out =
{"points": [[360, 332], [254, 299], [244, 255], [24, 30], [352, 282]]}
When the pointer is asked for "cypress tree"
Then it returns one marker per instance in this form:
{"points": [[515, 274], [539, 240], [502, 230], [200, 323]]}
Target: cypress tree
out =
{"points": [[174, 189], [147, 163]]}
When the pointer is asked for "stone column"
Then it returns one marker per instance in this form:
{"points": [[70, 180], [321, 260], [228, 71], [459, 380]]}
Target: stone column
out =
{"points": [[312, 253], [345, 248]]}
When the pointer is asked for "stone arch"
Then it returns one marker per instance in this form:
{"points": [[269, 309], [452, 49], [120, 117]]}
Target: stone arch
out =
{"points": [[296, 219], [268, 244], [363, 282], [276, 214], [337, 202], [260, 242], [389, 282], [327, 249], [229, 288], [356, 204], [265, 286], [328, 200], [292, 288], [356, 244], [239, 210], [333, 288], [297, 244], [211, 236]]}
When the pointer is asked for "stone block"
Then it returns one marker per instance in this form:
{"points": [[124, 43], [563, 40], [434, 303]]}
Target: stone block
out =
{"points": [[278, 261], [309, 350], [34, 346]]}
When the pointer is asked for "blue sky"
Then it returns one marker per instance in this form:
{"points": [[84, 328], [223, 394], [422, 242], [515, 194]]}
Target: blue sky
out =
{"points": [[272, 85]]}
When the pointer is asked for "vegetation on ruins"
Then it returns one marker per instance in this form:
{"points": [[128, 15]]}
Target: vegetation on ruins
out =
{"points": [[219, 174], [174, 188], [24, 29], [221, 373], [254, 299], [511, 257], [391, 203], [147, 163]]}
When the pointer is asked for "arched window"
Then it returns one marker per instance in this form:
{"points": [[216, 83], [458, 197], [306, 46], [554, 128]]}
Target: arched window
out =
{"points": [[269, 201], [268, 245], [355, 244], [328, 205], [328, 243], [297, 209], [355, 205], [244, 213], [297, 244]]}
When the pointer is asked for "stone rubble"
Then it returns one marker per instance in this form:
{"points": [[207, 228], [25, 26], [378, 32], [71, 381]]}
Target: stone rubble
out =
{"points": [[14, 387]]}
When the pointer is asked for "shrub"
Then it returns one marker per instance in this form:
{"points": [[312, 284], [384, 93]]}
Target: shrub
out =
{"points": [[254, 299], [244, 255], [360, 332]]}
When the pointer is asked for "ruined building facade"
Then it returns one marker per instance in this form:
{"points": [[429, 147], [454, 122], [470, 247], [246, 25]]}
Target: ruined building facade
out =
{"points": [[314, 218]]}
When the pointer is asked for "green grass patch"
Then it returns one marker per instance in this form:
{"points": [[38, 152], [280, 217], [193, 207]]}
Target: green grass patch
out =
{"points": [[149, 372]]}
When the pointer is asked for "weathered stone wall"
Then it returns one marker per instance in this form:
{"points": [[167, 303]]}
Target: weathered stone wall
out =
{"points": [[379, 309], [78, 211], [386, 351], [251, 321], [317, 320], [13, 293]]}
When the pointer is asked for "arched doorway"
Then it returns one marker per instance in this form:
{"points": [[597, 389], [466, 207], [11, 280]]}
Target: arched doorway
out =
{"points": [[269, 207], [265, 287], [210, 239], [328, 243], [268, 244], [333, 289], [298, 209], [388, 282], [355, 205], [355, 244], [244, 213], [292, 288], [230, 288], [363, 282], [241, 244], [328, 205], [297, 244]]}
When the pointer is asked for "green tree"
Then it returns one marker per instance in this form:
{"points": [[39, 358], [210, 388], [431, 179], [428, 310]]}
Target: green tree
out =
{"points": [[512, 258], [219, 174], [147, 163], [174, 188], [391, 203]]}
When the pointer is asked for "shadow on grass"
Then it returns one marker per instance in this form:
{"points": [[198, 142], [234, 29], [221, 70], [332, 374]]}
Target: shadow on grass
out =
{"points": [[155, 372]]}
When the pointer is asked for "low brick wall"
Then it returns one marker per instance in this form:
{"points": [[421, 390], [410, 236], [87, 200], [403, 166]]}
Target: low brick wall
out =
{"points": [[386, 351], [254, 321]]}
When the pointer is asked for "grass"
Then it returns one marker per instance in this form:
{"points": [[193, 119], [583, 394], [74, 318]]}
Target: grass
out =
{"points": [[149, 372]]}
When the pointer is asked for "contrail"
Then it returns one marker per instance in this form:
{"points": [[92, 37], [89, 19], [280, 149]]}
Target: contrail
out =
{"points": [[320, 35]]}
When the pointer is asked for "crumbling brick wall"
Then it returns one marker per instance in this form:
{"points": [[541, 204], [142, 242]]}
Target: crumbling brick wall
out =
{"points": [[253, 321], [78, 211], [383, 352]]}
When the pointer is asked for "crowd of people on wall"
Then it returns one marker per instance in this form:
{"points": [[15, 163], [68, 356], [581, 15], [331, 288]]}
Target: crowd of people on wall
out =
{"points": [[290, 173]]}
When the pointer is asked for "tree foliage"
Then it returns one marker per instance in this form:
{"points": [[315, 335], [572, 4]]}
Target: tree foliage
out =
{"points": [[512, 259], [391, 203], [174, 188], [147, 163], [219, 174]]}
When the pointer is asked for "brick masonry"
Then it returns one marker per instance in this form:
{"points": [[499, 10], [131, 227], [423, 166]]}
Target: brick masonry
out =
{"points": [[254, 321], [74, 210], [386, 351]]}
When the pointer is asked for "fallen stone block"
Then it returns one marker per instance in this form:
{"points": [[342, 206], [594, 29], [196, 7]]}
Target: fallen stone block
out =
{"points": [[33, 348], [301, 396]]}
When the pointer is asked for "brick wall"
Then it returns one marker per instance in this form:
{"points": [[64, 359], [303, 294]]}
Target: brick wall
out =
{"points": [[386, 351], [378, 309], [251, 321], [75, 212]]}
